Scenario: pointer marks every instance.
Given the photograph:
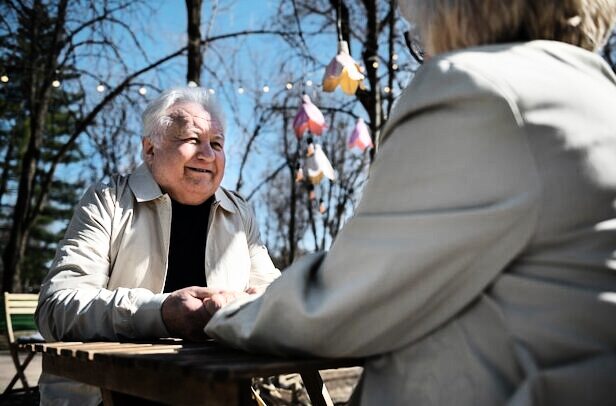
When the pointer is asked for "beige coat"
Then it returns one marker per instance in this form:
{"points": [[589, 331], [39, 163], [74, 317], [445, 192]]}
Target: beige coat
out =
{"points": [[109, 271], [110, 268], [480, 265]]}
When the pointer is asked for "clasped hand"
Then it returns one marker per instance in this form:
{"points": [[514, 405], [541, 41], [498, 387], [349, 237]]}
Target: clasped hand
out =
{"points": [[186, 311]]}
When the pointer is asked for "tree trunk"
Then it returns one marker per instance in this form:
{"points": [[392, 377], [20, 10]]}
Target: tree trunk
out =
{"points": [[23, 218], [6, 165], [39, 84], [193, 7], [372, 103]]}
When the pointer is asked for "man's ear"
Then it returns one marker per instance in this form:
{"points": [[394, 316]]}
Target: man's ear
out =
{"points": [[147, 149]]}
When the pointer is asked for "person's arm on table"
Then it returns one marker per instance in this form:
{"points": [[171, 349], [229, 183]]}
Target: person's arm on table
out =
{"points": [[75, 303], [451, 199]]}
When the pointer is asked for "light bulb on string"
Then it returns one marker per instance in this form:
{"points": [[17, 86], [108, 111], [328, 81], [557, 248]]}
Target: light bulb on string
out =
{"points": [[56, 83], [211, 91], [394, 57], [394, 66], [266, 89], [387, 89], [192, 83], [100, 88], [4, 78], [309, 83], [289, 86], [240, 90], [143, 91], [375, 65]]}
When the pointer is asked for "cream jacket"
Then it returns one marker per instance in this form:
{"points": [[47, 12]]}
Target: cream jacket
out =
{"points": [[108, 275], [480, 265]]}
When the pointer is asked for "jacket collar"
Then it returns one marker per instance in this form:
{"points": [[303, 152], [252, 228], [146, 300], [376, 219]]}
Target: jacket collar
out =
{"points": [[224, 201], [143, 185], [146, 189]]}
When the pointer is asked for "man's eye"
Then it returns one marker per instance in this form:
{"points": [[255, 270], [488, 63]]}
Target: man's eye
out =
{"points": [[216, 145], [192, 140]]}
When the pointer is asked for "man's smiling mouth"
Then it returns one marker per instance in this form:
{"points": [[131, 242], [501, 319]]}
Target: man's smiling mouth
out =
{"points": [[199, 170]]}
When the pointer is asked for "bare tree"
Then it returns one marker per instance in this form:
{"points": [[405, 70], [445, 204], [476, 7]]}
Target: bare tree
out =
{"points": [[294, 219], [54, 41], [195, 57], [50, 37]]}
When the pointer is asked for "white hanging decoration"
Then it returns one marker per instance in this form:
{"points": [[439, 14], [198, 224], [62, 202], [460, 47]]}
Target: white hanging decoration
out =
{"points": [[318, 166]]}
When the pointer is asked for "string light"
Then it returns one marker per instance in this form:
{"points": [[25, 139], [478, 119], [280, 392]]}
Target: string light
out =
{"points": [[289, 86], [143, 91], [309, 83], [375, 64], [394, 66], [387, 89], [266, 89], [56, 83], [212, 91], [100, 88], [4, 78], [192, 83], [240, 90], [394, 57]]}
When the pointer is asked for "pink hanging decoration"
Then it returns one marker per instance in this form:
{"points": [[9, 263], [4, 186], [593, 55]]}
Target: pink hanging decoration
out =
{"points": [[360, 137], [308, 118]]}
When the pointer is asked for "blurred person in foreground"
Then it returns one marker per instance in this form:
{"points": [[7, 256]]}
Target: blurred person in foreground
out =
{"points": [[480, 266], [144, 253]]}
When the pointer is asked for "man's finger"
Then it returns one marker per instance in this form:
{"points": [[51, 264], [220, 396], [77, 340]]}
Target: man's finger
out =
{"points": [[202, 292]]}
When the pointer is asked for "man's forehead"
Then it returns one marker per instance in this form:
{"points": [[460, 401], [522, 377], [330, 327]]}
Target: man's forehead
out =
{"points": [[193, 114]]}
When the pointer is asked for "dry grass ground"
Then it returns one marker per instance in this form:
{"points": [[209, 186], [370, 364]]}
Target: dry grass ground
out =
{"points": [[7, 371]]}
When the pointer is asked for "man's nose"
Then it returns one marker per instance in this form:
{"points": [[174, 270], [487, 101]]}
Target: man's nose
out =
{"points": [[206, 152]]}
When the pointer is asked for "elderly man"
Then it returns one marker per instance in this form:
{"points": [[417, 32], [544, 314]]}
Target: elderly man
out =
{"points": [[145, 253]]}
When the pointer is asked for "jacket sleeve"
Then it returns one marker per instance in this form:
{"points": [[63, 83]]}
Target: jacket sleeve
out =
{"points": [[452, 198], [262, 270], [74, 303]]}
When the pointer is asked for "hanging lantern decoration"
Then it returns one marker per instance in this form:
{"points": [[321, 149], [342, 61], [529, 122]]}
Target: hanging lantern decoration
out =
{"points": [[310, 147], [321, 206], [308, 118], [312, 194], [299, 173], [343, 71], [360, 137], [318, 166]]}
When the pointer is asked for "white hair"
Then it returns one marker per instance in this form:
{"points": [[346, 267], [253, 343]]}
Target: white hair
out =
{"points": [[156, 121]]}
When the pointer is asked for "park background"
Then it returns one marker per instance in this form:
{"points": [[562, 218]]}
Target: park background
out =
{"points": [[75, 76]]}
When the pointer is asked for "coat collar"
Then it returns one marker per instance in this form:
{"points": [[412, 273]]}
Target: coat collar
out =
{"points": [[146, 189]]}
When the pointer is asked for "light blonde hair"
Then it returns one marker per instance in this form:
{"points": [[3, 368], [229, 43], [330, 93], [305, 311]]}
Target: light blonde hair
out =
{"points": [[446, 25]]}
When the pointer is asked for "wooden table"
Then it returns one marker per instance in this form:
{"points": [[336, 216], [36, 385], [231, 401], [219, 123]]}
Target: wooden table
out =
{"points": [[178, 373]]}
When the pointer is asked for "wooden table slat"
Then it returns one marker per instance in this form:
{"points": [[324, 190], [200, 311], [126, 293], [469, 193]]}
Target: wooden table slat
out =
{"points": [[209, 373]]}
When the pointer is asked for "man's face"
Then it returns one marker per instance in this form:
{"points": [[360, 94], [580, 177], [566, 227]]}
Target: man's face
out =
{"points": [[189, 163]]}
